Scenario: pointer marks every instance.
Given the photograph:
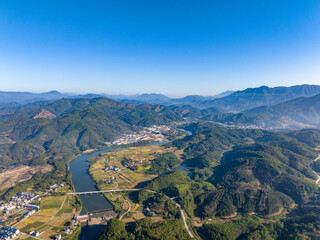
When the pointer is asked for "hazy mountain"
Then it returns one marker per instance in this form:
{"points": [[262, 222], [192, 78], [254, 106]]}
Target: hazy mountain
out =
{"points": [[153, 98], [71, 125], [25, 97], [262, 96], [300, 112], [223, 94], [19, 98]]}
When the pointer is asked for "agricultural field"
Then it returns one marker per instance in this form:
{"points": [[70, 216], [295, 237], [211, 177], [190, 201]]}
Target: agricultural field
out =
{"points": [[128, 207], [127, 177], [55, 214]]}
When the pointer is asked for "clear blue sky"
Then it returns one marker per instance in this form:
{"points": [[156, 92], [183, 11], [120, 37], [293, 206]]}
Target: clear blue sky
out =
{"points": [[175, 47]]}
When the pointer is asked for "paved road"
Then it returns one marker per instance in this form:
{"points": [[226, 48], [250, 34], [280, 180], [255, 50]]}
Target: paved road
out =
{"points": [[135, 189], [184, 219], [104, 191], [311, 166]]}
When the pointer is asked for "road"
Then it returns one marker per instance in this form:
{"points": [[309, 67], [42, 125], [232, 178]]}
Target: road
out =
{"points": [[311, 166], [105, 191], [184, 219], [136, 189], [129, 207]]}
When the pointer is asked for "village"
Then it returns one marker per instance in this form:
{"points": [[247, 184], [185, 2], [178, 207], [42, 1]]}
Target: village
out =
{"points": [[52, 214], [152, 134], [19, 215]]}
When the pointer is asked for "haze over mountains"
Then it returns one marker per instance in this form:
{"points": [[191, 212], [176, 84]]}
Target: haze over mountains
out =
{"points": [[235, 172], [228, 101], [273, 108], [73, 125]]}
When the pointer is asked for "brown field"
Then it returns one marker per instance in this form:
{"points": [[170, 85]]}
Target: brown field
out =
{"points": [[19, 174]]}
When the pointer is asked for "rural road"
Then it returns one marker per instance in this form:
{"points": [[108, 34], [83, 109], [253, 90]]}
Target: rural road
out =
{"points": [[151, 191], [311, 166], [184, 219]]}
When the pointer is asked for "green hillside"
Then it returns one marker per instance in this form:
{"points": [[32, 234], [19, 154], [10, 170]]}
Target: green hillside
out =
{"points": [[249, 171], [78, 125]]}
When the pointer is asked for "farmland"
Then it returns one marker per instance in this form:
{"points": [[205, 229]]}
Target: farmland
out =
{"points": [[110, 170], [54, 215], [127, 177]]}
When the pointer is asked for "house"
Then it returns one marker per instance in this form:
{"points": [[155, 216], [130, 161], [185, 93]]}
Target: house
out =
{"points": [[82, 217], [148, 212], [67, 231], [33, 206]]}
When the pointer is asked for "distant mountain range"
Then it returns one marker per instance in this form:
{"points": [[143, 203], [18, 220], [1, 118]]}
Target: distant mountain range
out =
{"points": [[262, 96], [276, 108], [153, 98], [16, 99], [27, 97], [73, 125], [303, 112], [297, 113], [226, 102]]}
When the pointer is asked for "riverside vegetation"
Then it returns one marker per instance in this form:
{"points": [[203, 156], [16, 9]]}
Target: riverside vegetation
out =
{"points": [[242, 179]]}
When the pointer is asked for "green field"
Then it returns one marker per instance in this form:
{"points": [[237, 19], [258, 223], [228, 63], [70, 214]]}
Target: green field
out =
{"points": [[51, 204], [32, 225], [64, 211]]}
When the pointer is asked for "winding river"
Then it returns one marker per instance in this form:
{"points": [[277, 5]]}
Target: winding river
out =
{"points": [[83, 182]]}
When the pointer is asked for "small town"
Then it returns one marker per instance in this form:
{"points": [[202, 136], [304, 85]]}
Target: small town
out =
{"points": [[154, 134], [21, 207]]}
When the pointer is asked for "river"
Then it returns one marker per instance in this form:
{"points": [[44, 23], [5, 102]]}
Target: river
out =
{"points": [[82, 182]]}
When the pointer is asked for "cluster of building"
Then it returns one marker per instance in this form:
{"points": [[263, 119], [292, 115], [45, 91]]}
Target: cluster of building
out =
{"points": [[159, 128], [109, 181], [55, 186], [111, 168], [153, 134], [9, 233], [131, 163], [17, 202]]}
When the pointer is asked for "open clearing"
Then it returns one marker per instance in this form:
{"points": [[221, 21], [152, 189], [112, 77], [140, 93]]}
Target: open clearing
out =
{"points": [[19, 174]]}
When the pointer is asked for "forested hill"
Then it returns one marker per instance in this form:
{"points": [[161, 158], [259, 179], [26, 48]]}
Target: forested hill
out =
{"points": [[251, 171], [262, 96], [71, 126], [138, 115], [301, 111]]}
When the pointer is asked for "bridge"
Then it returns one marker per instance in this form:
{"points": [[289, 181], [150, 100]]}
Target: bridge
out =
{"points": [[109, 191], [136, 189]]}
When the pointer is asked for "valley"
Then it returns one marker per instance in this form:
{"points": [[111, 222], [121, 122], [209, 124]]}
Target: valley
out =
{"points": [[225, 173], [159, 120]]}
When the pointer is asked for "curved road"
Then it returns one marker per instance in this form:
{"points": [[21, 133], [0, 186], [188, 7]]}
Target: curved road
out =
{"points": [[311, 166], [184, 218], [136, 189]]}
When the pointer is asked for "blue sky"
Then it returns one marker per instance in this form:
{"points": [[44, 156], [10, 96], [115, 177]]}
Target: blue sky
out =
{"points": [[176, 47]]}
